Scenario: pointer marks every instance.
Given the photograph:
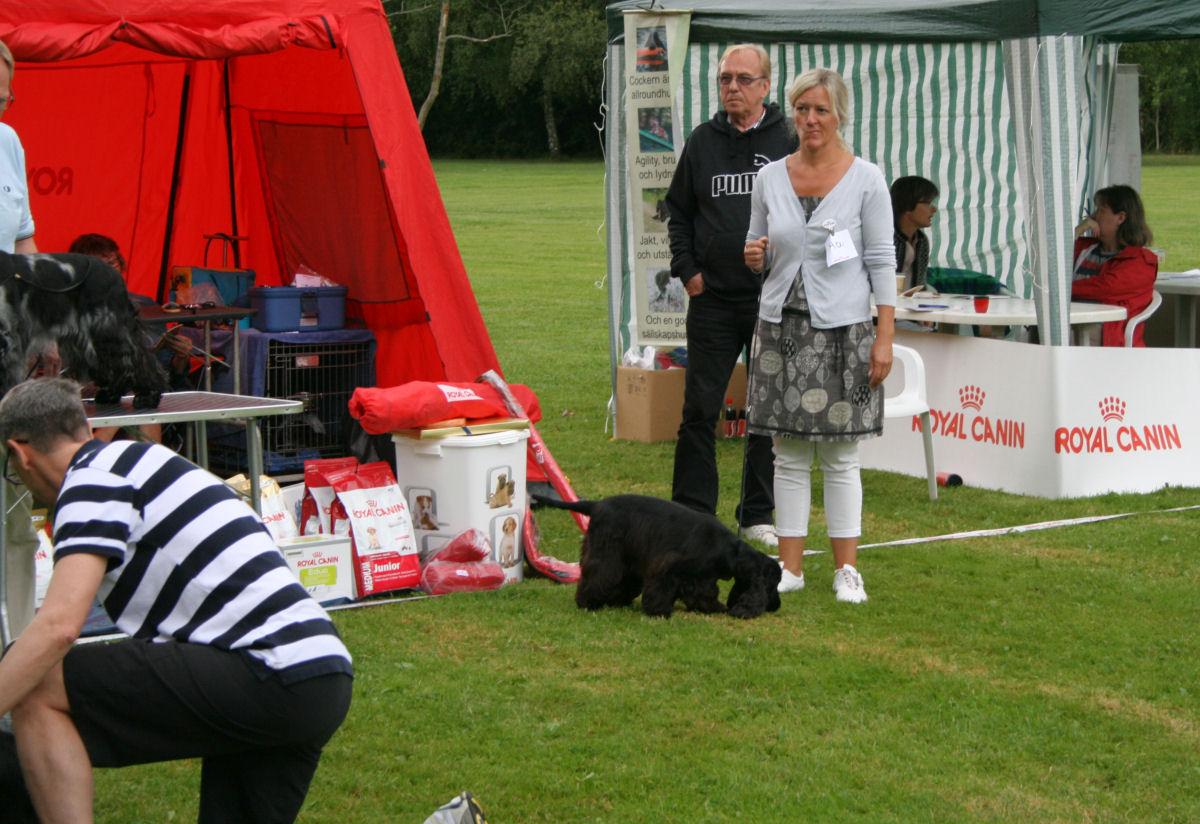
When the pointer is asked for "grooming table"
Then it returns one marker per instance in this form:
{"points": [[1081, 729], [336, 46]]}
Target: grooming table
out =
{"points": [[196, 408]]}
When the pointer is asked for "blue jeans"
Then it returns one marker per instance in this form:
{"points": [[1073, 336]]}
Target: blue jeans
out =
{"points": [[717, 332]]}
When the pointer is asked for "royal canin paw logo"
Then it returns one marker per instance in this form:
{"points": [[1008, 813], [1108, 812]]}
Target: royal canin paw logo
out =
{"points": [[1112, 409], [372, 503], [971, 397]]}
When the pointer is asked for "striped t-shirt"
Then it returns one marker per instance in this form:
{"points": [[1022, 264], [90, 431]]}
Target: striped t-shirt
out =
{"points": [[189, 561]]}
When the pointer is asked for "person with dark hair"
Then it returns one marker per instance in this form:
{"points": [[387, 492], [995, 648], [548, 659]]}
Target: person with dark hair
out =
{"points": [[709, 205], [228, 658], [914, 203], [1112, 263]]}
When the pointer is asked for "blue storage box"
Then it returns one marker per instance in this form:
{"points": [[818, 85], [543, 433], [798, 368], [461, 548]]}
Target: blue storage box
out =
{"points": [[293, 309]]}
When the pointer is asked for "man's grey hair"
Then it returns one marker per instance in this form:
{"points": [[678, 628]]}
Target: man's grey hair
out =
{"points": [[764, 59], [42, 412]]}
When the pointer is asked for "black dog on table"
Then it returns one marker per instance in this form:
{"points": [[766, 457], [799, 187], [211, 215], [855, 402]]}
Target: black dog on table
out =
{"points": [[665, 552], [81, 303]]}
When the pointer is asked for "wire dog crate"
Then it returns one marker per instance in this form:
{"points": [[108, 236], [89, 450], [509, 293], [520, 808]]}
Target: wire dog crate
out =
{"points": [[321, 370]]}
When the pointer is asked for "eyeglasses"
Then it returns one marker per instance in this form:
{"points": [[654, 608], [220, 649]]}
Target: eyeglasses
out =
{"points": [[10, 469], [740, 79], [931, 202]]}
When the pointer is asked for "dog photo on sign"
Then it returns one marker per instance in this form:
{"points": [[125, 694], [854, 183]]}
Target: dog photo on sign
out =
{"points": [[422, 503], [501, 487], [80, 303]]}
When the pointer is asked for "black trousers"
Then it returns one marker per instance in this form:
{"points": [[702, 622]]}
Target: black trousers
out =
{"points": [[717, 333], [259, 738]]}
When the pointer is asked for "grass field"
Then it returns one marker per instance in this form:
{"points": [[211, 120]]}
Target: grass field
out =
{"points": [[1044, 676]]}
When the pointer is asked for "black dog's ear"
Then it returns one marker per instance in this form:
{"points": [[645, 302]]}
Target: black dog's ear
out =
{"points": [[752, 586]]}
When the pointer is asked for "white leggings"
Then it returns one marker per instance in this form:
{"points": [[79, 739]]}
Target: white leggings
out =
{"points": [[793, 487]]}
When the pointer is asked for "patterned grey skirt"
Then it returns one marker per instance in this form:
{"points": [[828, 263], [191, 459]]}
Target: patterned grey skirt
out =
{"points": [[813, 383]]}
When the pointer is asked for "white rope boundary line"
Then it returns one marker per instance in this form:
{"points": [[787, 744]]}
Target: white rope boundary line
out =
{"points": [[1011, 530]]}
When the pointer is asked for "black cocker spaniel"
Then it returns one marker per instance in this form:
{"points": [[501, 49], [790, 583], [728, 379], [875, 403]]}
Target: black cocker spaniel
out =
{"points": [[636, 544]]}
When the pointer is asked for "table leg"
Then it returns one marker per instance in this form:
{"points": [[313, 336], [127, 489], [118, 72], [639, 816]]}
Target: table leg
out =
{"points": [[5, 629], [254, 462], [1185, 321], [237, 359], [208, 356]]}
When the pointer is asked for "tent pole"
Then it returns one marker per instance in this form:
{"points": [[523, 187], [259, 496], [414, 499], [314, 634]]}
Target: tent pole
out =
{"points": [[176, 173]]}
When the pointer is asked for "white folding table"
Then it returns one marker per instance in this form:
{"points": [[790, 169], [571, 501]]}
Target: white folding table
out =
{"points": [[956, 310]]}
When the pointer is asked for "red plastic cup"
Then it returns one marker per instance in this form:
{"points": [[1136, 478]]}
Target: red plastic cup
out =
{"points": [[981, 303], [949, 479]]}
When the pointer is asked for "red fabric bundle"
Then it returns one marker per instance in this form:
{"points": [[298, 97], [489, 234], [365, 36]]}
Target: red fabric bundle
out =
{"points": [[419, 403], [440, 577], [470, 546]]}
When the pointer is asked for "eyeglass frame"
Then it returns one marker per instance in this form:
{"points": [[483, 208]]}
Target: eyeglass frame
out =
{"points": [[742, 80], [11, 475]]}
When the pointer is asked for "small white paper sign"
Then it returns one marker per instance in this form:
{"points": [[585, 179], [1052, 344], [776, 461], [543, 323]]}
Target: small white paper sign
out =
{"points": [[839, 248]]}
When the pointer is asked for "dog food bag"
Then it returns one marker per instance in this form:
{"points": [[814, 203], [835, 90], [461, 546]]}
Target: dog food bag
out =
{"points": [[385, 550], [469, 546], [276, 516], [319, 494], [441, 577]]}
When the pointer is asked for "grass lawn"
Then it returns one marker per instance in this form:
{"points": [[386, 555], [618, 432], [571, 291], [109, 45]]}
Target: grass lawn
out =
{"points": [[1049, 676]]}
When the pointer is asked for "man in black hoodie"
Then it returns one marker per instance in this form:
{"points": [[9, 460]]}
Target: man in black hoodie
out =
{"points": [[709, 205]]}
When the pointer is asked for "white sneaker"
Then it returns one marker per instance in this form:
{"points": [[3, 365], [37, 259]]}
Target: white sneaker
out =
{"points": [[791, 583], [763, 533], [848, 585]]}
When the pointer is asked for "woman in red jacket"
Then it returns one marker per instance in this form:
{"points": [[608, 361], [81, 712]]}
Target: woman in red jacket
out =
{"points": [[1113, 265]]}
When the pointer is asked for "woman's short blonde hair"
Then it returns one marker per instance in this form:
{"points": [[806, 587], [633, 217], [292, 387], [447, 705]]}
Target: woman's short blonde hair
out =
{"points": [[7, 59], [831, 81]]}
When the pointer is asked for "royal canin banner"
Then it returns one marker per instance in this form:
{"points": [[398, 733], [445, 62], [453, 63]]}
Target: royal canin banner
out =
{"points": [[1056, 422]]}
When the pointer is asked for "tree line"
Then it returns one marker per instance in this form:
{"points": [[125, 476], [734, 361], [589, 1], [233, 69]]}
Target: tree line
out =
{"points": [[518, 78]]}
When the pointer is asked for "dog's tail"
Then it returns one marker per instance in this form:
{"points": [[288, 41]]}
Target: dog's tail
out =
{"points": [[584, 507]]}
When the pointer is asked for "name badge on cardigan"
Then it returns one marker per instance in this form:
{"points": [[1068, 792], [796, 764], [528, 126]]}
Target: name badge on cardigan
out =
{"points": [[839, 247]]}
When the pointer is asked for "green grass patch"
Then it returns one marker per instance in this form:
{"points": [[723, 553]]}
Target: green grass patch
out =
{"points": [[1046, 676]]}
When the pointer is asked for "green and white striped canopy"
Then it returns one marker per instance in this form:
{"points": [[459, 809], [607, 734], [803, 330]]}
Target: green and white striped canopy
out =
{"points": [[1005, 104]]}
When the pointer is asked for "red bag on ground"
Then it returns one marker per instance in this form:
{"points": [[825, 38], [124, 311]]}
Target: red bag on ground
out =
{"points": [[469, 546], [418, 403], [440, 577]]}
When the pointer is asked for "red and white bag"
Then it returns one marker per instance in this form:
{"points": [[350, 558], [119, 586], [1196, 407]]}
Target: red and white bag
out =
{"points": [[385, 551], [276, 516], [319, 494]]}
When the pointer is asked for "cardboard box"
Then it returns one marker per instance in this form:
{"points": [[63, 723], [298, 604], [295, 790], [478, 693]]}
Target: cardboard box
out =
{"points": [[650, 401]]}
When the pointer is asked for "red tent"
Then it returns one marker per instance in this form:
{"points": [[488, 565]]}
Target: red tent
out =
{"points": [[287, 122]]}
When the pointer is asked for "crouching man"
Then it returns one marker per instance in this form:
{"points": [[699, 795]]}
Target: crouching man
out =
{"points": [[228, 660]]}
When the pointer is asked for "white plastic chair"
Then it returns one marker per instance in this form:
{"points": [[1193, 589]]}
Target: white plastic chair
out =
{"points": [[912, 400], [1132, 324]]}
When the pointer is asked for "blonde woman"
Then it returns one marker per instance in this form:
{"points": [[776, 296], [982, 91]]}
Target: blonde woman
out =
{"points": [[821, 230]]}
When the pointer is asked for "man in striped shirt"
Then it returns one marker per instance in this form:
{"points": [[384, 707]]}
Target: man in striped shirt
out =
{"points": [[229, 659]]}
